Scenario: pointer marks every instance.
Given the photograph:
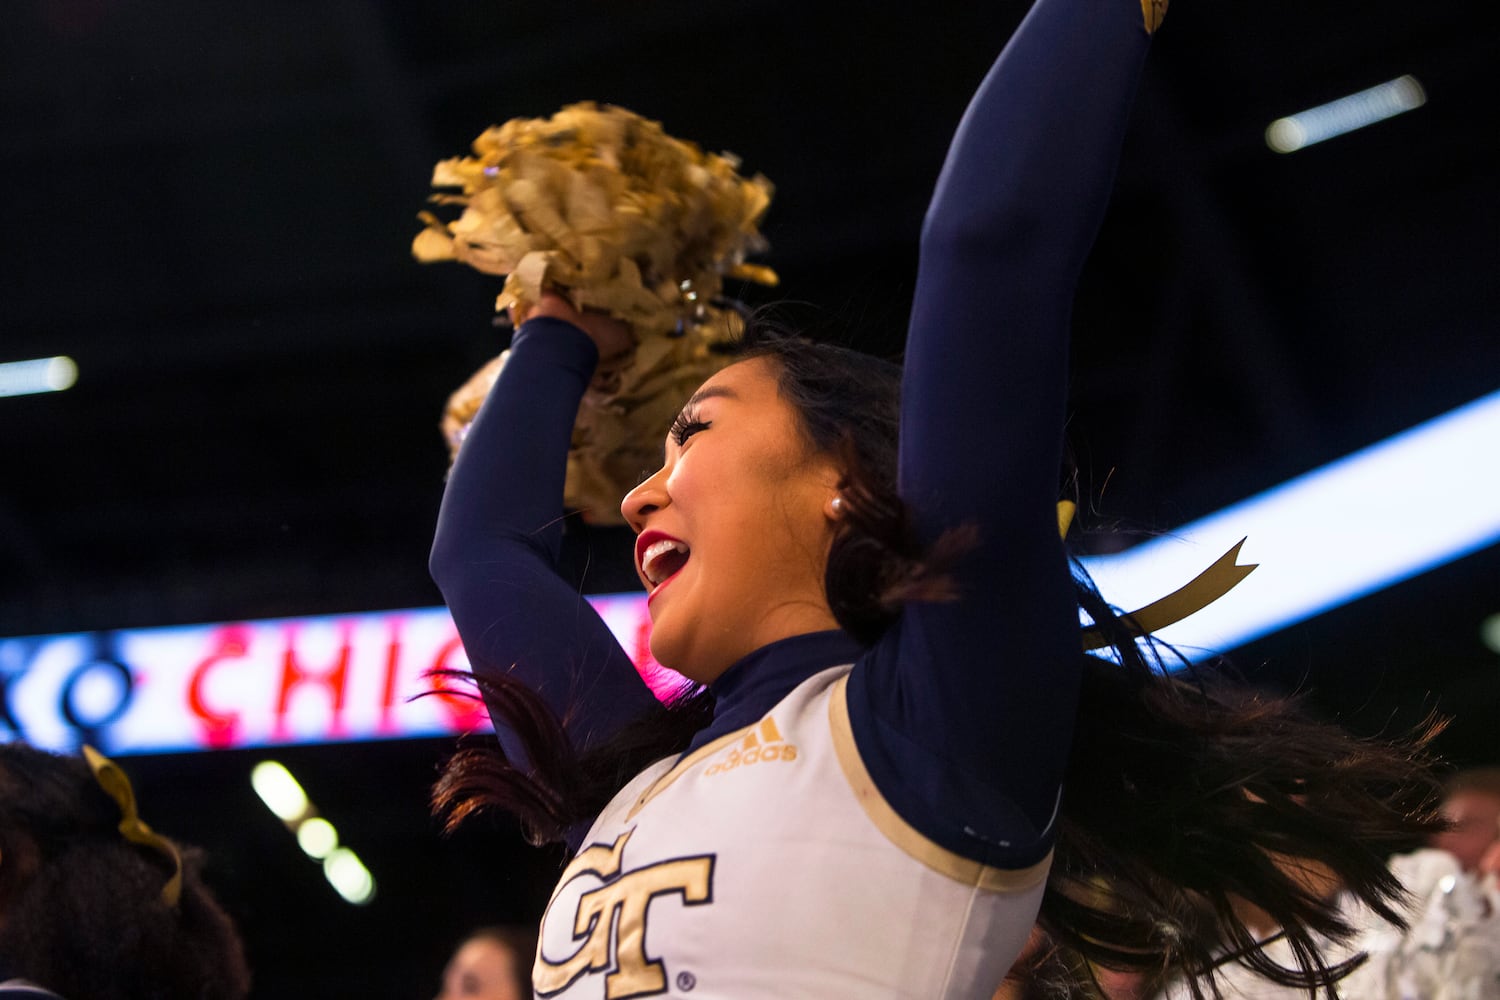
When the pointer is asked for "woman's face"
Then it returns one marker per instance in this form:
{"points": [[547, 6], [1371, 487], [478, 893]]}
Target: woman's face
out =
{"points": [[481, 969], [734, 529], [1475, 815]]}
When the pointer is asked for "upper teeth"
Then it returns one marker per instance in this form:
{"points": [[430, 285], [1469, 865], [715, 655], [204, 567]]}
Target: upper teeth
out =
{"points": [[655, 551]]}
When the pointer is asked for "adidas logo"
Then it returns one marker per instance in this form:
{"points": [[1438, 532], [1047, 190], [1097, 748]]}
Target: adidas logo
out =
{"points": [[761, 744]]}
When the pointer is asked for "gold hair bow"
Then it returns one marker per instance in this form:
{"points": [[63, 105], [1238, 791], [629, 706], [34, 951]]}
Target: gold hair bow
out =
{"points": [[1198, 593], [117, 786]]}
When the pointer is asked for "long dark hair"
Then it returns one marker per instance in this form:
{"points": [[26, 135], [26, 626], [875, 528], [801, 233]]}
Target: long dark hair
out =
{"points": [[1187, 796], [84, 913]]}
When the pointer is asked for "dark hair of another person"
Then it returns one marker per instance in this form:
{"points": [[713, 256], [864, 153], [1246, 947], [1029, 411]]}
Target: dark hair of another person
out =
{"points": [[1184, 791], [81, 907], [520, 942]]}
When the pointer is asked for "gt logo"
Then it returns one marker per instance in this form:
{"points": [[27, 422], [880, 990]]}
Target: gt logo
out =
{"points": [[620, 905]]}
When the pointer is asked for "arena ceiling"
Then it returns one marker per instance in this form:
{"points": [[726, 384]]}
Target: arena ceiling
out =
{"points": [[211, 207]]}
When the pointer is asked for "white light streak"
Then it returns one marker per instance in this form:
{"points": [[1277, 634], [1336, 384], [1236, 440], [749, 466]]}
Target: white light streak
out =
{"points": [[349, 876], [317, 837], [1294, 132], [1427, 496], [24, 378], [279, 791], [1489, 632]]}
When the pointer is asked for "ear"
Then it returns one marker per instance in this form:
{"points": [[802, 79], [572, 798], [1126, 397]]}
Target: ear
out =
{"points": [[831, 479]]}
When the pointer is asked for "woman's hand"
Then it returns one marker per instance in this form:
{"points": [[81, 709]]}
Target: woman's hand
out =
{"points": [[611, 336]]}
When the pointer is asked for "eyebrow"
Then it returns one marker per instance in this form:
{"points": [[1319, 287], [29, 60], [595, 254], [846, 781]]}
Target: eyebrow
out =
{"points": [[711, 392]]}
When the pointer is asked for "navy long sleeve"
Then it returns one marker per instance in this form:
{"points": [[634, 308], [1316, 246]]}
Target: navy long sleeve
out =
{"points": [[964, 711], [499, 531]]}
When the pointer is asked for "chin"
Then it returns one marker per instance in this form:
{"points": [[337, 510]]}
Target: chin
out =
{"points": [[674, 651], [665, 650]]}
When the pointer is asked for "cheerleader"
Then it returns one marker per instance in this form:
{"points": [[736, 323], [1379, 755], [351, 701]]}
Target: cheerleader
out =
{"points": [[895, 758]]}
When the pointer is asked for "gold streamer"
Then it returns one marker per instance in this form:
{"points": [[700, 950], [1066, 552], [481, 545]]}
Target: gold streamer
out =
{"points": [[1198, 593], [1065, 511], [1153, 11]]}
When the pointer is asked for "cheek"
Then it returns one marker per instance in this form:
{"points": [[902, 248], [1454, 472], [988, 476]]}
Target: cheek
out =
{"points": [[706, 485], [752, 507], [680, 481]]}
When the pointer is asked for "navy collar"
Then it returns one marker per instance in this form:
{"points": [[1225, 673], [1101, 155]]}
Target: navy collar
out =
{"points": [[753, 685]]}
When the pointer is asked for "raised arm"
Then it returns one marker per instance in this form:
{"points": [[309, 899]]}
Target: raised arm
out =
{"points": [[965, 712], [498, 537]]}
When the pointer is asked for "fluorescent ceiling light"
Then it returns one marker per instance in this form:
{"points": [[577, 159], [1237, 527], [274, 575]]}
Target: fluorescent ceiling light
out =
{"points": [[1427, 496], [23, 378], [1489, 632], [349, 876], [317, 837], [1289, 134], [279, 791]]}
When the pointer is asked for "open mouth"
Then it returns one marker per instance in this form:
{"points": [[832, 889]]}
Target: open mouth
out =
{"points": [[662, 558]]}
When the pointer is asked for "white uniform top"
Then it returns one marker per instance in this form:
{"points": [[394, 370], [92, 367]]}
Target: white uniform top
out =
{"points": [[766, 865]]}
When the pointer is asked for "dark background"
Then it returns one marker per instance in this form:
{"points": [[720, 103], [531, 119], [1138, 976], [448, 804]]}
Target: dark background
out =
{"points": [[209, 206]]}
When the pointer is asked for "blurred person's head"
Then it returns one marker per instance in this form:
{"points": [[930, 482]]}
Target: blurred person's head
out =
{"points": [[493, 963], [91, 914], [1490, 863], [1471, 803]]}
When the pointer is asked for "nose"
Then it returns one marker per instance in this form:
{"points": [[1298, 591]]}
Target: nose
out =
{"points": [[650, 496]]}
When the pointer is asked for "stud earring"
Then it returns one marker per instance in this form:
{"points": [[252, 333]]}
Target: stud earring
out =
{"points": [[837, 505]]}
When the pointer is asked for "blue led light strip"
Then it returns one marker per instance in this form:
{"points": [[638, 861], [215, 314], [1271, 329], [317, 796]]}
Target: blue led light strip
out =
{"points": [[1427, 496]]}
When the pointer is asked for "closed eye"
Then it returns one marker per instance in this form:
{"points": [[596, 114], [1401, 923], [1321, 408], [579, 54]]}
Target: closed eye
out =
{"points": [[686, 425]]}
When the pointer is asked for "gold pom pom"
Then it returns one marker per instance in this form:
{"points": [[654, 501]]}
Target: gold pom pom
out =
{"points": [[464, 404], [603, 207]]}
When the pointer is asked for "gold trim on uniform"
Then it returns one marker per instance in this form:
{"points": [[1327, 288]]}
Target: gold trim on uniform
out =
{"points": [[768, 745], [901, 833], [682, 767]]}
